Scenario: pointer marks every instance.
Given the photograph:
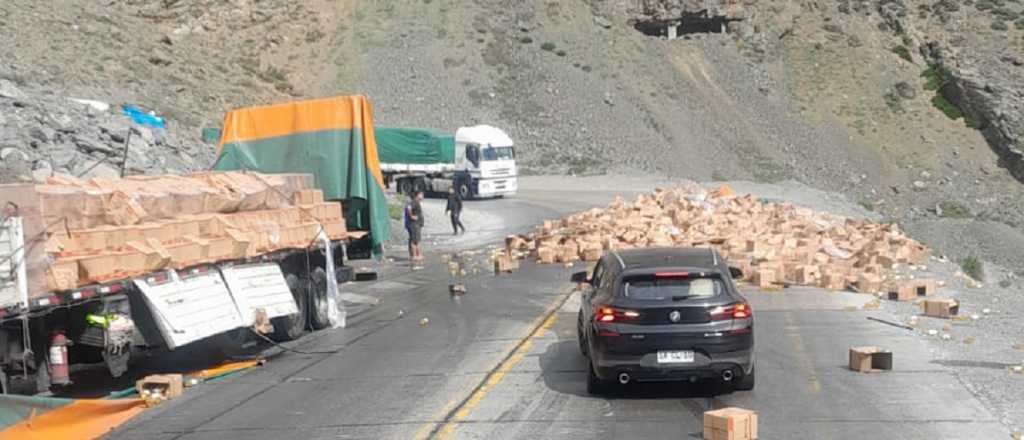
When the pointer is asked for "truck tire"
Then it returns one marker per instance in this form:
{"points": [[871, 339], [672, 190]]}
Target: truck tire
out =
{"points": [[291, 327], [319, 318], [405, 186], [419, 185], [464, 191]]}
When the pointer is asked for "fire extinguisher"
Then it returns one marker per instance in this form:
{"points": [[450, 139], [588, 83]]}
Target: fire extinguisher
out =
{"points": [[59, 372]]}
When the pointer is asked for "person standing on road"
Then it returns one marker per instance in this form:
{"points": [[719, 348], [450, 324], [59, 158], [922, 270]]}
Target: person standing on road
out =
{"points": [[454, 209], [414, 226]]}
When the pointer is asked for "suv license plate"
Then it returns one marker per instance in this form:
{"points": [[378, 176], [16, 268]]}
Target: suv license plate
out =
{"points": [[675, 357]]}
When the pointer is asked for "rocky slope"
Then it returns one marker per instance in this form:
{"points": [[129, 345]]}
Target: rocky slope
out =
{"points": [[841, 95]]}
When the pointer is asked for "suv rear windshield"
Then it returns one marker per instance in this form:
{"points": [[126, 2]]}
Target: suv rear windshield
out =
{"points": [[651, 288]]}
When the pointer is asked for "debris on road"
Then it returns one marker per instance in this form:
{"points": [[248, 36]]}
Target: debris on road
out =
{"points": [[940, 308], [870, 359], [772, 243], [730, 424], [457, 289], [424, 321], [157, 388]]}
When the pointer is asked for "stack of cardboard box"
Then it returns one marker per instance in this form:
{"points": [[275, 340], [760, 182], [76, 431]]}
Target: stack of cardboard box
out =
{"points": [[107, 229], [773, 243]]}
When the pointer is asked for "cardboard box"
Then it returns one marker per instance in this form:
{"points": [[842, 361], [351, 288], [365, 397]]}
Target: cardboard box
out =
{"points": [[502, 264], [868, 283], [870, 359], [833, 281], [910, 289], [62, 275], [169, 385], [807, 275], [730, 424], [546, 255], [940, 308], [764, 278]]}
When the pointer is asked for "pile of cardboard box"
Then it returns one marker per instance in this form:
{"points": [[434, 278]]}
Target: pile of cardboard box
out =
{"points": [[106, 229], [772, 243]]}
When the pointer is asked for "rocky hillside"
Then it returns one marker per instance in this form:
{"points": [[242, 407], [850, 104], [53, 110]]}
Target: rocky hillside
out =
{"points": [[911, 107]]}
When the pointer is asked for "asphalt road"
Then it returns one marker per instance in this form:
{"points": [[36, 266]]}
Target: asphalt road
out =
{"points": [[502, 362]]}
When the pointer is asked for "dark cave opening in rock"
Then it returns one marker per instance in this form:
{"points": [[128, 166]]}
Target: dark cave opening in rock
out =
{"points": [[689, 23]]}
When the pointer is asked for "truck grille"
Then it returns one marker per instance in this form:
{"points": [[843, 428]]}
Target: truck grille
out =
{"points": [[502, 171]]}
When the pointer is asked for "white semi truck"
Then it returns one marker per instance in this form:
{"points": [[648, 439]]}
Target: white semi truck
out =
{"points": [[478, 161]]}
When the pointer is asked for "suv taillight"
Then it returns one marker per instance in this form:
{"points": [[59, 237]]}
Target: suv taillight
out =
{"points": [[611, 314], [731, 311]]}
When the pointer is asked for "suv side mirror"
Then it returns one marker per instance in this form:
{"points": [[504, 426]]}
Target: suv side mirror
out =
{"points": [[735, 272], [580, 278]]}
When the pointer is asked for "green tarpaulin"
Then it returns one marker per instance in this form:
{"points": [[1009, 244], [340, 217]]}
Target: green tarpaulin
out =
{"points": [[414, 145], [332, 139]]}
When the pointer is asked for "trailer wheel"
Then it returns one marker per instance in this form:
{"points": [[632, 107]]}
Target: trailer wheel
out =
{"points": [[419, 185], [291, 327], [464, 191], [405, 186], [319, 316]]}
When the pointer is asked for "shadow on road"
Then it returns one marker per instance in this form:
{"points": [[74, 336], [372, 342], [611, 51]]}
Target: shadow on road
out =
{"points": [[564, 370]]}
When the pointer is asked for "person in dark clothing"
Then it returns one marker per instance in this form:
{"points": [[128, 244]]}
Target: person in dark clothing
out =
{"points": [[454, 209], [414, 226]]}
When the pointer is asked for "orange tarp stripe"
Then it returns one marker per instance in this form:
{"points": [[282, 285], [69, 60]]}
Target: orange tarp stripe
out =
{"points": [[337, 113], [226, 368], [83, 419]]}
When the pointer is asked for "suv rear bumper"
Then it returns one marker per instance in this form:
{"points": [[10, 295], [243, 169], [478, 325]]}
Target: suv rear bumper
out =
{"points": [[647, 368]]}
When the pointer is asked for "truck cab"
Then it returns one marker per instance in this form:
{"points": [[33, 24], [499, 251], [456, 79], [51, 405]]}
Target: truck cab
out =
{"points": [[486, 158]]}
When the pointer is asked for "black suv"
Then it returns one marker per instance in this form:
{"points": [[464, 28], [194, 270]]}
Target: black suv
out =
{"points": [[662, 315]]}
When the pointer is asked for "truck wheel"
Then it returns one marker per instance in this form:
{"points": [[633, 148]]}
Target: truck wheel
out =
{"points": [[291, 327], [319, 316], [419, 185], [464, 191], [405, 186]]}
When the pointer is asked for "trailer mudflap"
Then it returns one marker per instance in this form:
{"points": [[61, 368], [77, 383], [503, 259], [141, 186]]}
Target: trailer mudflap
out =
{"points": [[187, 309], [259, 286]]}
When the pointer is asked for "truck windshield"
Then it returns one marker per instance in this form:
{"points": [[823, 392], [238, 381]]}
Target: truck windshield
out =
{"points": [[498, 153]]}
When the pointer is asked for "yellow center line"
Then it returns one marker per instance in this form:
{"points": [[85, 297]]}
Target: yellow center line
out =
{"points": [[540, 325]]}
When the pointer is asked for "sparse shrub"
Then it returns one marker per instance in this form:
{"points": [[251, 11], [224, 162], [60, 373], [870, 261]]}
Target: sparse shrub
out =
{"points": [[907, 41], [947, 108], [953, 209], [587, 68], [549, 46], [273, 75], [935, 77], [902, 52], [526, 40], [1005, 14], [314, 35], [999, 25], [973, 267], [561, 53], [1019, 24]]}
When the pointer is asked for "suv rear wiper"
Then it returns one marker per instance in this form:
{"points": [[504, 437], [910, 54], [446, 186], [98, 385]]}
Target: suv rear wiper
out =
{"points": [[681, 297]]}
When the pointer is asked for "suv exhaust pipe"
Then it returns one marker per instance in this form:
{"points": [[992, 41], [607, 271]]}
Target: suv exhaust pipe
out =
{"points": [[727, 375], [623, 378]]}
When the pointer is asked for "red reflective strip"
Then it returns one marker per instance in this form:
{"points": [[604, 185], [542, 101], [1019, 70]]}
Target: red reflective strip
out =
{"points": [[671, 274], [606, 333], [87, 293]]}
